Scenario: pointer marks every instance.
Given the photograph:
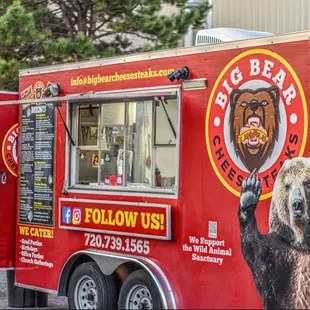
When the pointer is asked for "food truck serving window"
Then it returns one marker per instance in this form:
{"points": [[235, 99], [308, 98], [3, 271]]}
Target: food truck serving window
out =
{"points": [[127, 143]]}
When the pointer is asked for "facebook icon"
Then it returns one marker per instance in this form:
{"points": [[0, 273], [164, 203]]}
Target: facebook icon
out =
{"points": [[66, 215]]}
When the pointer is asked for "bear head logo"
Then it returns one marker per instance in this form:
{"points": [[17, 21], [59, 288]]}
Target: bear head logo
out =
{"points": [[254, 124]]}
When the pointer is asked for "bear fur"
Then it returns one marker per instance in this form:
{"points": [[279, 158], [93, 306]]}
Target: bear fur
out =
{"points": [[280, 259]]}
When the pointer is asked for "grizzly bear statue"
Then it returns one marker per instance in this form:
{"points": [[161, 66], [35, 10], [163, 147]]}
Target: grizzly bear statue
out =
{"points": [[280, 259]]}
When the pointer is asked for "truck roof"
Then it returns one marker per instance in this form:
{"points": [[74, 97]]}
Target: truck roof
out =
{"points": [[289, 37]]}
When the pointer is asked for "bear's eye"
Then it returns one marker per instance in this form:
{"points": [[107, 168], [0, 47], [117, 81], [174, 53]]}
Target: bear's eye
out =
{"points": [[264, 103], [287, 186], [307, 184], [243, 104]]}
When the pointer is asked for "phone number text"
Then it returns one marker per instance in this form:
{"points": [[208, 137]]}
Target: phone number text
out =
{"points": [[116, 243]]}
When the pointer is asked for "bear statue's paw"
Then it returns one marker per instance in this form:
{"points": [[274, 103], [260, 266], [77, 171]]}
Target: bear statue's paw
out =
{"points": [[251, 190]]}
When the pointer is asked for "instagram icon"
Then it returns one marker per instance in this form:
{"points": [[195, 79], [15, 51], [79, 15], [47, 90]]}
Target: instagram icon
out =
{"points": [[76, 216]]}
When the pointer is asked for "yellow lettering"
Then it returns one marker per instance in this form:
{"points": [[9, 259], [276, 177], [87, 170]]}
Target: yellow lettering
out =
{"points": [[119, 218], [24, 230], [104, 220], [88, 212], [155, 221], [39, 232], [145, 220], [34, 232], [131, 218], [96, 216], [111, 220]]}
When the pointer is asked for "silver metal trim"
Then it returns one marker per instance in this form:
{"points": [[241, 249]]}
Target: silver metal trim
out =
{"points": [[135, 193], [132, 92], [185, 82], [125, 203], [71, 163], [200, 79], [136, 92], [168, 227], [116, 233], [126, 122], [174, 306], [97, 95], [113, 202], [67, 151], [8, 268], [36, 288], [198, 88], [295, 36], [3, 92], [99, 144], [116, 188], [153, 148], [178, 144], [139, 260], [33, 101]]}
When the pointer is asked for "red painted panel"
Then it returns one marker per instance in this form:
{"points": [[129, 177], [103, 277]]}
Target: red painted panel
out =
{"points": [[203, 262], [8, 138]]}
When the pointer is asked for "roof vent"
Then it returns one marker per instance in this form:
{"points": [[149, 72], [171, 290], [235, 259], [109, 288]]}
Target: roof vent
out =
{"points": [[218, 35]]}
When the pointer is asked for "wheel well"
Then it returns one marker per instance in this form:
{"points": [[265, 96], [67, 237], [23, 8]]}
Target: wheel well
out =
{"points": [[119, 267], [66, 274], [123, 270], [120, 273]]}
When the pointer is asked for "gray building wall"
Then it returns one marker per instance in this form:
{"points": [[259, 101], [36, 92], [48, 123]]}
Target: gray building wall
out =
{"points": [[275, 16]]}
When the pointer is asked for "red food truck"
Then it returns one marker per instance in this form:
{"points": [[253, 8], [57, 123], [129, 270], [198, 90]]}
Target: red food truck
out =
{"points": [[130, 173]]}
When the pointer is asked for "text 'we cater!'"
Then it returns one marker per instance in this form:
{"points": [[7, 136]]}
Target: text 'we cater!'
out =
{"points": [[148, 220]]}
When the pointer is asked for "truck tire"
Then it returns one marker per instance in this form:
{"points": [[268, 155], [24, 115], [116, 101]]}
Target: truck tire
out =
{"points": [[89, 288], [41, 299], [19, 297], [139, 292]]}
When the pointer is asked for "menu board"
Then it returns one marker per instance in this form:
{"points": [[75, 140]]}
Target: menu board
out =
{"points": [[37, 164]]}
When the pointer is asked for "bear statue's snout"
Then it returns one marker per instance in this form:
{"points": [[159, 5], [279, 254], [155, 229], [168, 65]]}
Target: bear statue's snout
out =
{"points": [[298, 203], [298, 207]]}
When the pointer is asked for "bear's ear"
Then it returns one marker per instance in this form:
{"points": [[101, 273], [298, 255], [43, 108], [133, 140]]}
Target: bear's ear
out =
{"points": [[288, 162], [285, 163], [234, 96], [273, 91]]}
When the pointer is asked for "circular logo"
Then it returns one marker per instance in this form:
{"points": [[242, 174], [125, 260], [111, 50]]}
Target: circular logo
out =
{"points": [[38, 89], [9, 149], [256, 119]]}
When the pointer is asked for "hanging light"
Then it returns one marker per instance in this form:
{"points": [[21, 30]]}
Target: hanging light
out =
{"points": [[182, 73], [53, 90]]}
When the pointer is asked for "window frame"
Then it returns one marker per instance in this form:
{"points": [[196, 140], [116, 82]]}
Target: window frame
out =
{"points": [[155, 113], [119, 97]]}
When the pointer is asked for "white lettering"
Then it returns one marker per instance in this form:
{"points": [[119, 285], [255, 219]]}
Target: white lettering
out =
{"points": [[289, 94], [208, 259], [279, 78], [236, 76], [255, 70], [221, 100], [266, 72], [11, 139]]}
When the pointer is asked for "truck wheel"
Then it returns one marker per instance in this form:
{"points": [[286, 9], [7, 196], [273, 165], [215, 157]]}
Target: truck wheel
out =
{"points": [[139, 292], [89, 288]]}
